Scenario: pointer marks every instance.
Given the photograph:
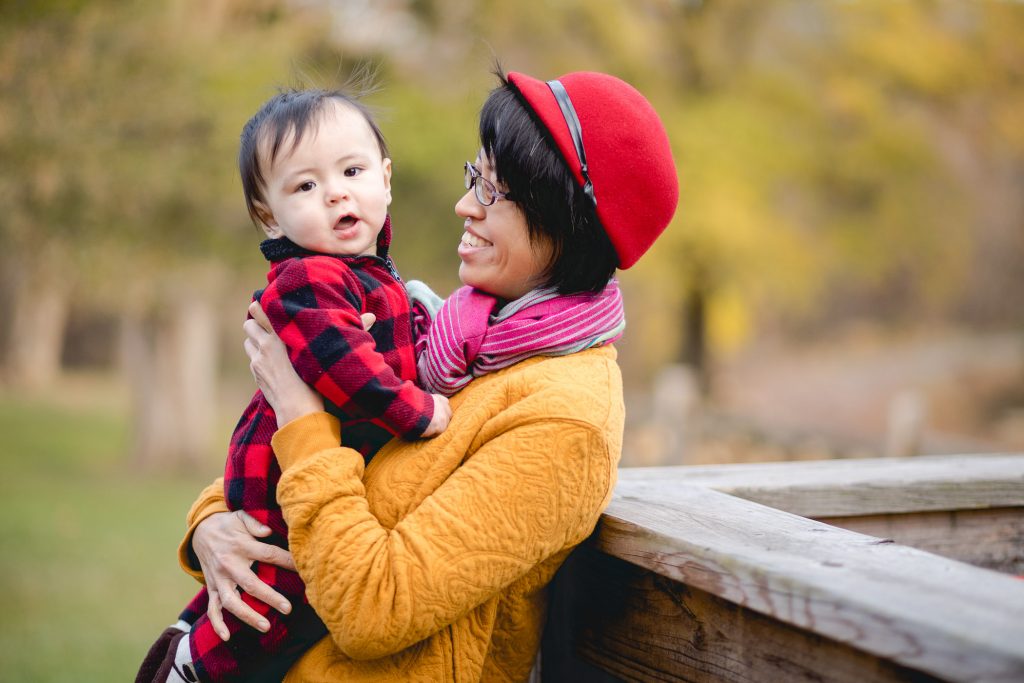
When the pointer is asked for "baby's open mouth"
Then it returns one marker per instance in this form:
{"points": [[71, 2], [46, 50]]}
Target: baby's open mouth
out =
{"points": [[346, 222]]}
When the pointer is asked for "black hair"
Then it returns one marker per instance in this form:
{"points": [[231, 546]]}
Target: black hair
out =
{"points": [[526, 161], [289, 111]]}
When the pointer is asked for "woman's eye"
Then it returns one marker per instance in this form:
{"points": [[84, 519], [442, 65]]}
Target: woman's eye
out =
{"points": [[307, 186]]}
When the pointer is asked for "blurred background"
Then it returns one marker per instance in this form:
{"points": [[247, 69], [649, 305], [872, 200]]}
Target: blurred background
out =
{"points": [[843, 278]]}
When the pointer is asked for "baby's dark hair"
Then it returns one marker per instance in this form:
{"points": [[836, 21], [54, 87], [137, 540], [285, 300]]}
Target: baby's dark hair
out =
{"points": [[292, 110], [526, 160]]}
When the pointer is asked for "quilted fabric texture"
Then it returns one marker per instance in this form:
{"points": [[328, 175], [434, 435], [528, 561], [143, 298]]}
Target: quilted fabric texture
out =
{"points": [[431, 563]]}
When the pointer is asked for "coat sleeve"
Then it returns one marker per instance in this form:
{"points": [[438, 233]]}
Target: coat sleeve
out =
{"points": [[314, 305], [525, 495]]}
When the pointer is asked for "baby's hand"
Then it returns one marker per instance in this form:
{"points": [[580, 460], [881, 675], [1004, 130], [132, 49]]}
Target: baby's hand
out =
{"points": [[442, 416]]}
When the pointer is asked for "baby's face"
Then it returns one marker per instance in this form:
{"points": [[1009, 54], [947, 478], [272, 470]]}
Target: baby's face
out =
{"points": [[330, 193]]}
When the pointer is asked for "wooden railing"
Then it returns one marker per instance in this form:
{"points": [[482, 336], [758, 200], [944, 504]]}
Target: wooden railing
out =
{"points": [[843, 570]]}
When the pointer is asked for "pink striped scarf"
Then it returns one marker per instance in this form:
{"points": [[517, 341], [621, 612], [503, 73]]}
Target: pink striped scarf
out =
{"points": [[466, 338]]}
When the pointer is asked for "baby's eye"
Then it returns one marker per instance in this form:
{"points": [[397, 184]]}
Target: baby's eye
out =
{"points": [[306, 186], [353, 171]]}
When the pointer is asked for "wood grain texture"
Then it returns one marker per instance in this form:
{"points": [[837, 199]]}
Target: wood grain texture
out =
{"points": [[993, 538], [905, 606], [613, 621], [833, 488]]}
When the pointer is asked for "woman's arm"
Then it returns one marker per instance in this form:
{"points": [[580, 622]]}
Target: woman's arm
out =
{"points": [[530, 492], [526, 495]]}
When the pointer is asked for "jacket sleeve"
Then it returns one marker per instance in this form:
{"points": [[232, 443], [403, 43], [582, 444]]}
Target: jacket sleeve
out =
{"points": [[314, 305], [525, 495]]}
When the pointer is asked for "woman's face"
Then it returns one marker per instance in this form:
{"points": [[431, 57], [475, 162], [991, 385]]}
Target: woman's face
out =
{"points": [[497, 254]]}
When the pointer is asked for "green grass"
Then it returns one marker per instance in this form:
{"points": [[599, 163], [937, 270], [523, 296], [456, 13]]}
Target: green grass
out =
{"points": [[87, 547]]}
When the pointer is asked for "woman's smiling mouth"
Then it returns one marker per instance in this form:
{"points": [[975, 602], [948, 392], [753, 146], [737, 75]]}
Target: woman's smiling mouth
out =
{"points": [[471, 240]]}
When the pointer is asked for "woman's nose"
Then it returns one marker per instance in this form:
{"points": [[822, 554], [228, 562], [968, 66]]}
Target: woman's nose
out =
{"points": [[468, 206]]}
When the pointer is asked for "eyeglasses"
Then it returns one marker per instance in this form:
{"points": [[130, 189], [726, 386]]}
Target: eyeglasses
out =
{"points": [[483, 188]]}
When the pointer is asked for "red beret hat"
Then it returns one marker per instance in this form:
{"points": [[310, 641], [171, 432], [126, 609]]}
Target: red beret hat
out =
{"points": [[628, 162]]}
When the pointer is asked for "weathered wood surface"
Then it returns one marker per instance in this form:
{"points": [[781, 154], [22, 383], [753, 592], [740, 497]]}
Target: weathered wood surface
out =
{"points": [[645, 627], [906, 607], [836, 488], [992, 538]]}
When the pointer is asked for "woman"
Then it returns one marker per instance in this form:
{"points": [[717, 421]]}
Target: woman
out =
{"points": [[432, 562]]}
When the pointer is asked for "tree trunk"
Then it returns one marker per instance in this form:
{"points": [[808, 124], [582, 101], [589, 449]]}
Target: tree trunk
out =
{"points": [[40, 291], [694, 351], [170, 360]]}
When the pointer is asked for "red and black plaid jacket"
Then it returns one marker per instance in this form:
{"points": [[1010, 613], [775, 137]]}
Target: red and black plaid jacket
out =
{"points": [[314, 302]]}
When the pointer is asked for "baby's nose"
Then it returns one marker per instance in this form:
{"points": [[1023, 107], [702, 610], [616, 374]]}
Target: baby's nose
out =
{"points": [[336, 191]]}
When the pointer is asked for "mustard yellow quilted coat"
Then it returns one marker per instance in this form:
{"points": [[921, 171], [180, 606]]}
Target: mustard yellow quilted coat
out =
{"points": [[432, 564]]}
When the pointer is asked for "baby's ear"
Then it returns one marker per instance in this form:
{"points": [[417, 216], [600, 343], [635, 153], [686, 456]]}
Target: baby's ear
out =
{"points": [[267, 221], [386, 168]]}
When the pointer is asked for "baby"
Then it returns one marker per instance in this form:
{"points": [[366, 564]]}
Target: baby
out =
{"points": [[317, 178]]}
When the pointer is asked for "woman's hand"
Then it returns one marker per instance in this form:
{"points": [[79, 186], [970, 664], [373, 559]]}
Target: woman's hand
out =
{"points": [[287, 394], [226, 545]]}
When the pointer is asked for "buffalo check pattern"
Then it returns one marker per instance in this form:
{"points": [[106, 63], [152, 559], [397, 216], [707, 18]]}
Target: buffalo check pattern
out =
{"points": [[314, 302]]}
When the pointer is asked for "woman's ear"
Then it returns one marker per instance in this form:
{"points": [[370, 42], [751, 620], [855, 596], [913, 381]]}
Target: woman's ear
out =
{"points": [[267, 221]]}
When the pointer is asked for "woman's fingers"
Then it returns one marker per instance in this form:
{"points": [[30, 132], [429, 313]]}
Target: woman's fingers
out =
{"points": [[265, 594], [216, 616], [279, 557], [256, 334], [252, 525], [251, 350], [224, 596], [227, 545], [231, 601], [257, 551], [256, 311]]}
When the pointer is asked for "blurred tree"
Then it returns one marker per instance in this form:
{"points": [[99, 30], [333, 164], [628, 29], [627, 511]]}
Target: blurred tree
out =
{"points": [[119, 139], [836, 159], [781, 193], [822, 151]]}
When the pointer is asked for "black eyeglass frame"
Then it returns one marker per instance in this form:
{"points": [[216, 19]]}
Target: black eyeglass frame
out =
{"points": [[481, 186]]}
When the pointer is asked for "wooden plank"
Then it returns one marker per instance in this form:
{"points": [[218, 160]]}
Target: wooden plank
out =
{"points": [[993, 539], [915, 609], [613, 621], [834, 488]]}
